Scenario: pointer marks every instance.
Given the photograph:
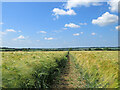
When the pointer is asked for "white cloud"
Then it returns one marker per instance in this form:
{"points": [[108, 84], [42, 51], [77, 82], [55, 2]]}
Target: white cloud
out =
{"points": [[76, 34], [65, 28], [75, 3], [117, 27], [1, 23], [81, 32], [93, 33], [2, 33], [58, 11], [19, 31], [113, 5], [105, 19], [48, 38], [42, 32], [72, 25], [20, 37], [83, 23], [10, 30]]}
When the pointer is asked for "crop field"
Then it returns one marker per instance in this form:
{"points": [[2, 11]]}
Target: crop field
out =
{"points": [[76, 69], [31, 69], [99, 69]]}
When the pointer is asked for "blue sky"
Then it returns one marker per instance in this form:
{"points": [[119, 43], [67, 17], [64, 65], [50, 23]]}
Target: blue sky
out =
{"points": [[52, 25]]}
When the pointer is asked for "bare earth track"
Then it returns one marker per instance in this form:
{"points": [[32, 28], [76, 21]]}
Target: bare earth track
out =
{"points": [[70, 77]]}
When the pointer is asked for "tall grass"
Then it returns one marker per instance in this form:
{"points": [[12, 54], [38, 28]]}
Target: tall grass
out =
{"points": [[98, 68], [31, 69]]}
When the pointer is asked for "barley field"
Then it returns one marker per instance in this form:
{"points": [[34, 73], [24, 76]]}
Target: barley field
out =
{"points": [[80, 69], [31, 69], [99, 69]]}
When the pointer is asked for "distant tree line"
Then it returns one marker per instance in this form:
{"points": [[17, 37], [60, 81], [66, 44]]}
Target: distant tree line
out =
{"points": [[62, 49]]}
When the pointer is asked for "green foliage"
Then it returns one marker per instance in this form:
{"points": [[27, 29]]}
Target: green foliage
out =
{"points": [[31, 69], [70, 49]]}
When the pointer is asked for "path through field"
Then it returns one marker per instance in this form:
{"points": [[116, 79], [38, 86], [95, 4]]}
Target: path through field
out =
{"points": [[70, 77]]}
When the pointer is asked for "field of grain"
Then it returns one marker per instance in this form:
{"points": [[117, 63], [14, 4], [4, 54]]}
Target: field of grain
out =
{"points": [[31, 69], [80, 69], [99, 69]]}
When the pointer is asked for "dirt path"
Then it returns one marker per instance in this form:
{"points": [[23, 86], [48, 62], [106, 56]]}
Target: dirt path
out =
{"points": [[70, 77]]}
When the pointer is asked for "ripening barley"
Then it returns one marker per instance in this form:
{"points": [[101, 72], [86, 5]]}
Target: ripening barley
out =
{"points": [[100, 68], [29, 69]]}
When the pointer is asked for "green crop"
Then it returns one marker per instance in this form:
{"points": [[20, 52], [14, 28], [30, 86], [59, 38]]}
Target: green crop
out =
{"points": [[98, 68], [31, 69]]}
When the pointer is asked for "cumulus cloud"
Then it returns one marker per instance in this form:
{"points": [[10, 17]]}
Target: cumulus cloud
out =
{"points": [[93, 33], [113, 5], [6, 31], [72, 25], [76, 34], [19, 38], [75, 3], [50, 38], [117, 27], [105, 19], [42, 32], [83, 23], [10, 30], [58, 12]]}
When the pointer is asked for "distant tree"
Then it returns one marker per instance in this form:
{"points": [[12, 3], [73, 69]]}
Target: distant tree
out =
{"points": [[106, 48], [70, 49], [98, 49], [24, 49], [89, 49]]}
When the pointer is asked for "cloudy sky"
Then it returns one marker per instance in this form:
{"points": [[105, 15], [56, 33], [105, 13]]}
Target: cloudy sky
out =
{"points": [[60, 24]]}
